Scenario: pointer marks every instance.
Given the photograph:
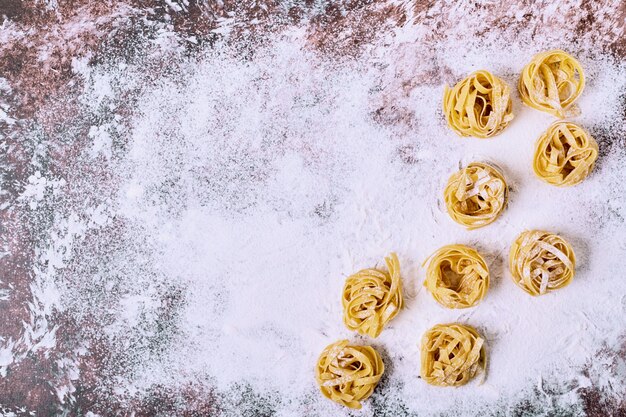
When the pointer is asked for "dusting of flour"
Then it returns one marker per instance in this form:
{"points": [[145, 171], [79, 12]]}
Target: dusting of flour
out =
{"points": [[245, 189], [263, 184]]}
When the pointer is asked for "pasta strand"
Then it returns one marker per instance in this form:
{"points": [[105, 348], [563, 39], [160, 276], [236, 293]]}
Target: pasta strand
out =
{"points": [[451, 355], [479, 105], [348, 374], [371, 298], [565, 154], [551, 82], [541, 262], [476, 195], [457, 276]]}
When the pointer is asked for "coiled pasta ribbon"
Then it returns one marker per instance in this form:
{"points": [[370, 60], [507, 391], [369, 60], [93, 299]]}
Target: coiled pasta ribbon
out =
{"points": [[541, 262], [476, 195], [348, 374], [564, 154], [479, 105], [371, 298], [451, 354], [551, 82], [457, 276]]}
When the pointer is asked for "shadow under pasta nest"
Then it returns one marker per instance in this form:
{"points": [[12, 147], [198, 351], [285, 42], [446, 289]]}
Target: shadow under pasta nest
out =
{"points": [[610, 140], [582, 251], [384, 401]]}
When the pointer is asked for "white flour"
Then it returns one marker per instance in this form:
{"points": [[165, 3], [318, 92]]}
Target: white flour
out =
{"points": [[259, 185], [281, 185]]}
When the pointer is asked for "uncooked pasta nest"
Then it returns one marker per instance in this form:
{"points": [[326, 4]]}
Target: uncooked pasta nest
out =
{"points": [[457, 276], [451, 354], [371, 298], [551, 82], [480, 105], [348, 374], [564, 154], [541, 262], [476, 195]]}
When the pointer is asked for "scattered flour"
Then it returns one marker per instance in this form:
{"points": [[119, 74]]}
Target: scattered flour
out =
{"points": [[257, 185], [263, 184]]}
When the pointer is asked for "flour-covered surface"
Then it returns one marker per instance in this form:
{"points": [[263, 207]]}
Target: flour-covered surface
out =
{"points": [[185, 185]]}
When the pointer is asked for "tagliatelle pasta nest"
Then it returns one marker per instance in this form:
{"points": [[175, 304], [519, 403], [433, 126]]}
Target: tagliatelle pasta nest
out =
{"points": [[565, 154], [541, 262], [476, 195], [452, 354], [457, 276], [371, 298], [348, 374], [551, 82], [479, 105]]}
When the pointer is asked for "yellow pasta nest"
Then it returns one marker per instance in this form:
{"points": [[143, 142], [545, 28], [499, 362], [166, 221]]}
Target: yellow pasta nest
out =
{"points": [[372, 297], [476, 195], [541, 262], [565, 154], [348, 374], [480, 105], [457, 276], [451, 354], [551, 82]]}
